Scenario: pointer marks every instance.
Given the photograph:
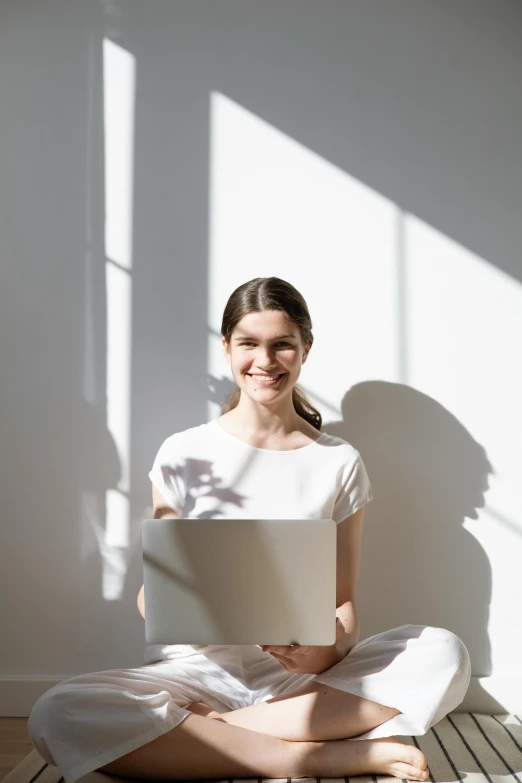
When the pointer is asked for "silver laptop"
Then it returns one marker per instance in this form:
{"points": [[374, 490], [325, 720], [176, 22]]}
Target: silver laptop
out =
{"points": [[239, 581]]}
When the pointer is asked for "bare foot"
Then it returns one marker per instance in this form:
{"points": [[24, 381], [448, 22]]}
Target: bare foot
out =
{"points": [[399, 759], [385, 755]]}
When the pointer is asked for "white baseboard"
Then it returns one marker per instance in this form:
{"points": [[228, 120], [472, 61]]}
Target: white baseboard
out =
{"points": [[493, 695], [19, 694]]}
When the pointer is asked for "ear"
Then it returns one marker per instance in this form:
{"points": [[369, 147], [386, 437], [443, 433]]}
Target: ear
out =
{"points": [[225, 347]]}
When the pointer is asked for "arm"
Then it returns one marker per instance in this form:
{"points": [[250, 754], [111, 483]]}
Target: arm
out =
{"points": [[141, 601], [347, 614], [161, 511], [349, 537]]}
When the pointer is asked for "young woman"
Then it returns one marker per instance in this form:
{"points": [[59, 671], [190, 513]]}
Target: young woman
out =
{"points": [[218, 711]]}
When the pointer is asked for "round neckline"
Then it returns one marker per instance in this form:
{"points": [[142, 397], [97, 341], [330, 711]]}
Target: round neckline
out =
{"points": [[268, 451]]}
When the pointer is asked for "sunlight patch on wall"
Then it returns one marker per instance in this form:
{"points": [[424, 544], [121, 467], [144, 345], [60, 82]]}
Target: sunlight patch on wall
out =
{"points": [[391, 299], [118, 106]]}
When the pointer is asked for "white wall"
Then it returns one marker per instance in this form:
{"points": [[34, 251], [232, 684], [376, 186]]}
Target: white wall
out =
{"points": [[368, 152]]}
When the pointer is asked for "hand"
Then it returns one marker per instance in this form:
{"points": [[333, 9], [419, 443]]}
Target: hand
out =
{"points": [[302, 659]]}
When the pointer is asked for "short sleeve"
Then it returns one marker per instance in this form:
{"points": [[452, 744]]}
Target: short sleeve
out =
{"points": [[167, 474], [355, 490]]}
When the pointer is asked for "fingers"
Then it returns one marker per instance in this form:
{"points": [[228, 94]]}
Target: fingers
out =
{"points": [[287, 663], [280, 653]]}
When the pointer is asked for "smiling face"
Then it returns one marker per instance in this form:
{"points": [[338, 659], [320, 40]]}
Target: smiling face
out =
{"points": [[266, 343]]}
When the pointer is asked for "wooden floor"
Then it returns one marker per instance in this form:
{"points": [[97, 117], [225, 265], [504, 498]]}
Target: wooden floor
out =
{"points": [[15, 744]]}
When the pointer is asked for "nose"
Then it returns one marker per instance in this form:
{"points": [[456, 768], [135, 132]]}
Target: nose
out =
{"points": [[264, 361]]}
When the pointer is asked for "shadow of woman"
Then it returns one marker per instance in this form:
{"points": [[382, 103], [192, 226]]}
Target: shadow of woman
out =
{"points": [[419, 563]]}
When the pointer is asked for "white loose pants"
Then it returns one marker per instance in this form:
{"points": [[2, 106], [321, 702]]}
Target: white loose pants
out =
{"points": [[90, 720]]}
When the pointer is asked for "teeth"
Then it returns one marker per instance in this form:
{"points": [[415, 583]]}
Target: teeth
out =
{"points": [[265, 377]]}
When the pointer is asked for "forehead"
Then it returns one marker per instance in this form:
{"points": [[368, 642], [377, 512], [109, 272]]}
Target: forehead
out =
{"points": [[265, 324]]}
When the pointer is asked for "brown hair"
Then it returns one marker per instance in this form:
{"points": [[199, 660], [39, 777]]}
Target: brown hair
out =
{"points": [[270, 293]]}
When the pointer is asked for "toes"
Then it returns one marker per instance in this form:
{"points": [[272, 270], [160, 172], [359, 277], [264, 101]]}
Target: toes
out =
{"points": [[414, 756], [410, 772], [418, 759]]}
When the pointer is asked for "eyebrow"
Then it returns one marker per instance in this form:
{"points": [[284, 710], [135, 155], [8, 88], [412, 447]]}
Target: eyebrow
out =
{"points": [[247, 337]]}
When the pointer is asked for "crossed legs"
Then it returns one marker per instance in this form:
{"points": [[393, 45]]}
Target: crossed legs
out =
{"points": [[201, 748]]}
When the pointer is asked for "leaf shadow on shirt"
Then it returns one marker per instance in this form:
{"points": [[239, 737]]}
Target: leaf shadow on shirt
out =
{"points": [[203, 483]]}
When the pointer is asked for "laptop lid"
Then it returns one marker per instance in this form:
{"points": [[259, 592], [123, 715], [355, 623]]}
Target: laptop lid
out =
{"points": [[239, 581]]}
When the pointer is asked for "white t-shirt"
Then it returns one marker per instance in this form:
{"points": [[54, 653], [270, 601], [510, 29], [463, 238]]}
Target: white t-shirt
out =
{"points": [[205, 472]]}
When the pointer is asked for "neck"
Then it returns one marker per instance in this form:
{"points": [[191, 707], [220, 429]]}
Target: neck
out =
{"points": [[255, 417]]}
